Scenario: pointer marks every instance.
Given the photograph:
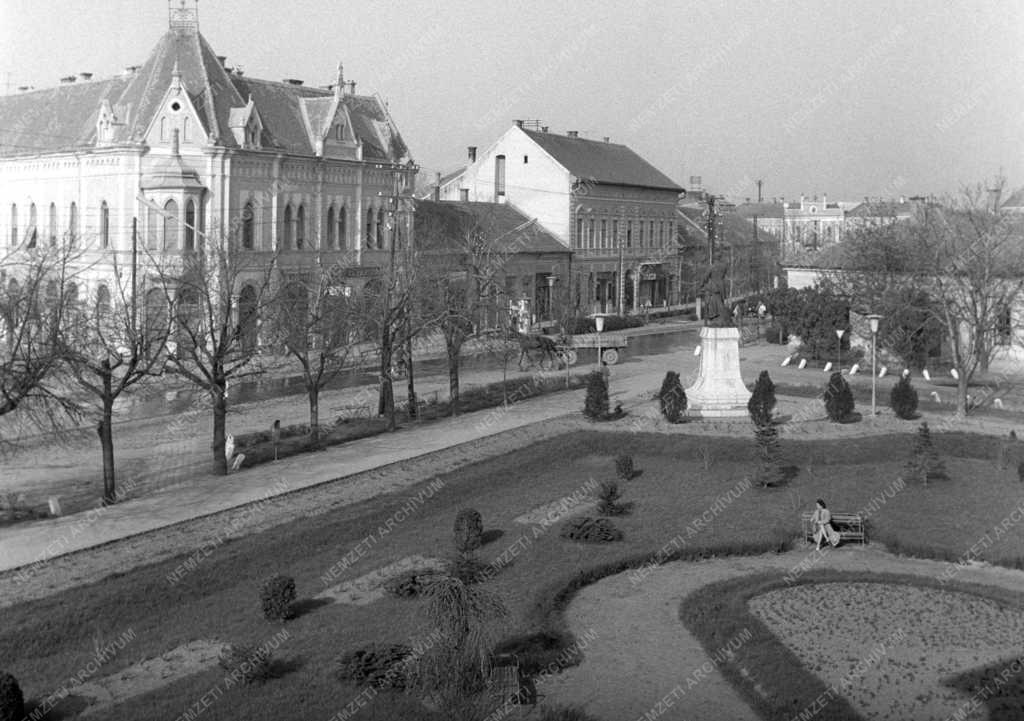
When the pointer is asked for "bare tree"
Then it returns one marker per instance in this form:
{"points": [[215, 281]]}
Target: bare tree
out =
{"points": [[111, 347], [218, 295], [37, 285], [966, 258], [319, 323]]}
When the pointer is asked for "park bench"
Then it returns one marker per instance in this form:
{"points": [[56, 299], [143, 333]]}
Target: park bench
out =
{"points": [[849, 526], [354, 411], [506, 683]]}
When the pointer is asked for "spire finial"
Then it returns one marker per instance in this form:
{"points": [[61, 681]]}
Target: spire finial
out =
{"points": [[339, 84]]}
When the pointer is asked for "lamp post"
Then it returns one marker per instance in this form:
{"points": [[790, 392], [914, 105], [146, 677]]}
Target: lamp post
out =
{"points": [[839, 350], [873, 321], [599, 326]]}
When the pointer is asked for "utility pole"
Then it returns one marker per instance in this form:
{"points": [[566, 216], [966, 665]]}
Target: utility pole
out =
{"points": [[759, 197]]}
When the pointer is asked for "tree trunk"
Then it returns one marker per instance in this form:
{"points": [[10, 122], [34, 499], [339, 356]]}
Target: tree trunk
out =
{"points": [[106, 432], [961, 395], [386, 401], [453, 380], [411, 385], [314, 416], [220, 414]]}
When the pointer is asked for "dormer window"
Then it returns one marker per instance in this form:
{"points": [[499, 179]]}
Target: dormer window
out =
{"points": [[339, 133]]}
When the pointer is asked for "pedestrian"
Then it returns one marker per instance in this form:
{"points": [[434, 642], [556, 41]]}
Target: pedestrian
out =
{"points": [[275, 436], [823, 530]]}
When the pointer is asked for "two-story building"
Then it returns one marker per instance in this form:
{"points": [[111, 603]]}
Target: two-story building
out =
{"points": [[610, 207], [184, 150]]}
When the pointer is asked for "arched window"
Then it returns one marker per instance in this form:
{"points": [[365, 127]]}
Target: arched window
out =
{"points": [[300, 228], [33, 234], [190, 225], [248, 222], [104, 225], [53, 224], [14, 223], [170, 234], [156, 313], [72, 224], [342, 229], [579, 232], [186, 133], [331, 229], [381, 228], [163, 129], [591, 235], [152, 229], [296, 314], [247, 318], [289, 228], [369, 228], [188, 317], [640, 234]]}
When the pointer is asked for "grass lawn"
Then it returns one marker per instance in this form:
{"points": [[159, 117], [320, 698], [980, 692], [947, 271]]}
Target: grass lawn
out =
{"points": [[47, 641]]}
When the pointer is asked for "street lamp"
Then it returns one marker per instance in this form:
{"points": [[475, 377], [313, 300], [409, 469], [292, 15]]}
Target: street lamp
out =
{"points": [[873, 321], [599, 326], [839, 351]]}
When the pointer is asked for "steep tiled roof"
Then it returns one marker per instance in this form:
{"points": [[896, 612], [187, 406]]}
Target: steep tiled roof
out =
{"points": [[734, 229], [506, 227], [64, 117], [1016, 200], [602, 162], [881, 209]]}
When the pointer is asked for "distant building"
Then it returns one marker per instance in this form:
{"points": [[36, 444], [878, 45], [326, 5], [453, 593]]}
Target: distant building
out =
{"points": [[1015, 203], [193, 150], [526, 267], [610, 207]]}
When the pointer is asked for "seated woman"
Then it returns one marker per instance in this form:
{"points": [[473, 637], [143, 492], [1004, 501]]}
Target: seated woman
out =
{"points": [[823, 530]]}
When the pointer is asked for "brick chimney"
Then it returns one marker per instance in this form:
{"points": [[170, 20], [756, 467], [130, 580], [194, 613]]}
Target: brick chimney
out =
{"points": [[350, 87], [67, 79], [437, 187], [572, 133], [472, 153], [85, 76]]}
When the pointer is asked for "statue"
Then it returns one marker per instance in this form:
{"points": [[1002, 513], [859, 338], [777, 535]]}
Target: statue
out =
{"points": [[712, 290]]}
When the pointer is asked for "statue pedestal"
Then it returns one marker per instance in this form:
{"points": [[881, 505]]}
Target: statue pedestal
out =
{"points": [[719, 391]]}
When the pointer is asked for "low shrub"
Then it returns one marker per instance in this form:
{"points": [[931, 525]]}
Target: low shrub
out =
{"points": [[541, 652], [608, 497], [469, 529], [411, 583], [624, 468], [762, 400], [249, 662], [591, 530], [277, 597], [672, 398], [776, 334], [838, 398], [12, 702], [565, 713], [924, 463], [378, 666], [903, 399]]}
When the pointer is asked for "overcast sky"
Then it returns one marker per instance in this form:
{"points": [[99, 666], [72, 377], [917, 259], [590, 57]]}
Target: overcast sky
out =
{"points": [[844, 98]]}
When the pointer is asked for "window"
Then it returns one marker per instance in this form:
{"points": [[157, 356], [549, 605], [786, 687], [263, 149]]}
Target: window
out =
{"points": [[170, 234], [185, 130], [289, 229], [300, 228], [1004, 326], [526, 159], [53, 224], [102, 302], [604, 233], [650, 237], [499, 176], [32, 233], [464, 195], [331, 229], [156, 314], [629, 233], [190, 226], [661, 233], [640, 234], [163, 129], [342, 229], [579, 232], [104, 225], [615, 233], [369, 228], [247, 318], [591, 236], [248, 223], [72, 224], [381, 227], [152, 229], [14, 223]]}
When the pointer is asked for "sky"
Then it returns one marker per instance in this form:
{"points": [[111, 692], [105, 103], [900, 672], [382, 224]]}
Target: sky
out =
{"points": [[848, 99]]}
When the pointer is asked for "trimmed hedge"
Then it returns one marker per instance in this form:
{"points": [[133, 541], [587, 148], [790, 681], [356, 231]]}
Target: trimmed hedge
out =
{"points": [[277, 597], [591, 530], [611, 323], [377, 666]]}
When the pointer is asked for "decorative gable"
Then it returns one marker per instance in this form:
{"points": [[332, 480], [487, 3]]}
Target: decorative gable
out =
{"points": [[107, 124], [247, 126], [176, 112]]}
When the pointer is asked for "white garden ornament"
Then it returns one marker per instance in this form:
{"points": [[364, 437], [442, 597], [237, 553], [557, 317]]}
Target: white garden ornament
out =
{"points": [[803, 363]]}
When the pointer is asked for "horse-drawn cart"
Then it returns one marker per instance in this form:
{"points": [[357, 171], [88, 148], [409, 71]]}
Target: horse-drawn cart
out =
{"points": [[550, 351], [611, 345]]}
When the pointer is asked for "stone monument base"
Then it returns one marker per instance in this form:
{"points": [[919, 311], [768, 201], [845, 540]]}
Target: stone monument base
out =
{"points": [[719, 391]]}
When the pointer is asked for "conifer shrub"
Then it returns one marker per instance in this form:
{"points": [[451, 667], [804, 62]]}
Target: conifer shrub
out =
{"points": [[277, 597], [769, 469], [377, 666], [411, 583], [596, 405], [672, 398], [762, 400], [591, 530], [469, 530], [924, 463], [838, 398], [903, 399], [12, 701], [624, 468], [608, 496]]}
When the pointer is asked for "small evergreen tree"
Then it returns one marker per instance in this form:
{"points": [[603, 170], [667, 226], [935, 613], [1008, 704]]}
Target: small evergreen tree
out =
{"points": [[469, 531], [608, 499], [672, 398], [838, 398], [12, 702], [769, 471], [903, 399], [596, 405], [762, 400], [624, 468], [924, 462]]}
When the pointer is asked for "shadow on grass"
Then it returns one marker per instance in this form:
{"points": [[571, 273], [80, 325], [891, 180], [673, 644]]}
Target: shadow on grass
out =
{"points": [[635, 474], [68, 707], [308, 605], [491, 535], [280, 667], [1000, 687]]}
